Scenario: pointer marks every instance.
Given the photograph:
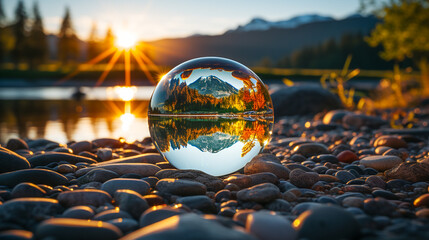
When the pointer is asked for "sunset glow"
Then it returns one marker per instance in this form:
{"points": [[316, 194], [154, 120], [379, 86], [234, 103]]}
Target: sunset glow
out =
{"points": [[125, 40]]}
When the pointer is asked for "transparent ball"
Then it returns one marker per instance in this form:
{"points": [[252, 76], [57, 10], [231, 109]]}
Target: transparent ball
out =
{"points": [[210, 114]]}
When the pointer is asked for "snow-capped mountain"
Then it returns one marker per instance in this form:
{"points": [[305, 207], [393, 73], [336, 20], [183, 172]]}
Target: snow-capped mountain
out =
{"points": [[259, 24]]}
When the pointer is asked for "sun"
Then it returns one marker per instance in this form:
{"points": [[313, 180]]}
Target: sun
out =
{"points": [[125, 40]]}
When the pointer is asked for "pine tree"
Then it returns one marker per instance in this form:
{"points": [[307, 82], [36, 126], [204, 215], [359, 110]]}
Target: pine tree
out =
{"points": [[93, 44], [20, 35], [68, 45], [38, 48]]}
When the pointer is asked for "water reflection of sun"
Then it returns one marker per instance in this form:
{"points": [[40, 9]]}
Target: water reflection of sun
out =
{"points": [[126, 44]]}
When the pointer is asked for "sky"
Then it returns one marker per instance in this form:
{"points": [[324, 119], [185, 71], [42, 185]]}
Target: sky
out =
{"points": [[150, 20]]}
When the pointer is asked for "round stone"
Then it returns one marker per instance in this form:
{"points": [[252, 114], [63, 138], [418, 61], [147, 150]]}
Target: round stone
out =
{"points": [[224, 112], [390, 141], [78, 212], [261, 193], [270, 227], [303, 179], [180, 187], [138, 185], [381, 163], [84, 197]]}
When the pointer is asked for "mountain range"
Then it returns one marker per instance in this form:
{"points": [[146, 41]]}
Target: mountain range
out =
{"points": [[214, 143], [260, 39], [212, 85]]}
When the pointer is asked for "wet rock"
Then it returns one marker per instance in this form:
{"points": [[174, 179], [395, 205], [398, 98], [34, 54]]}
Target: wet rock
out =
{"points": [[265, 177], [179, 227], [66, 168], [14, 144], [302, 100], [390, 141], [23, 190], [138, 185], [36, 176], [303, 179], [262, 193], [381, 163], [201, 203], [65, 228], [126, 225], [111, 214], [11, 161], [91, 197], [270, 227], [310, 149], [131, 202], [242, 181], [180, 187], [47, 158], [143, 169], [26, 212], [413, 172], [326, 222], [259, 166], [81, 146], [212, 183], [97, 175], [157, 214], [78, 212]]}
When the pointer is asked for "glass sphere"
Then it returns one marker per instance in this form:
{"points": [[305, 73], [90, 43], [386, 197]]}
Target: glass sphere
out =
{"points": [[210, 114]]}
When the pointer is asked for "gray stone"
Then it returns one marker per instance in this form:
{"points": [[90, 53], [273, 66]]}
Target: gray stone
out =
{"points": [[261, 193], [157, 214], [143, 169], [303, 100], [126, 225], [81, 146], [78, 212], [189, 227], [36, 176], [138, 185], [111, 214], [131, 202], [303, 179], [72, 229], [11, 161], [357, 121], [212, 183], [26, 212], [270, 227], [412, 172], [327, 222], [199, 202], [23, 190], [14, 144], [180, 187], [259, 166], [97, 175], [91, 197], [344, 176], [381, 163], [310, 149], [47, 158]]}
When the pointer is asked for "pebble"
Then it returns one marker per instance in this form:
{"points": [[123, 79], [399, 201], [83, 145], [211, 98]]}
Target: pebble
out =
{"points": [[279, 205], [344, 176], [180, 187], [241, 180], [131, 202], [91, 197], [422, 201], [423, 213], [375, 181], [381, 163], [303, 179], [26, 212], [212, 183], [260, 166], [326, 222], [111, 214], [23, 190], [310, 149], [10, 161], [104, 154], [16, 235], [47, 158], [353, 202], [385, 194], [143, 169], [347, 156], [261, 193], [97, 175], [126, 225], [36, 176], [179, 227], [78, 212], [390, 141], [266, 226], [157, 214], [199, 202], [379, 206], [65, 228], [138, 185], [14, 144], [81, 146], [412, 172]]}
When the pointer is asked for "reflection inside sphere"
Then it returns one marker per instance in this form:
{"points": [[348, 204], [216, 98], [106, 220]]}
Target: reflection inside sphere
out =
{"points": [[210, 114]]}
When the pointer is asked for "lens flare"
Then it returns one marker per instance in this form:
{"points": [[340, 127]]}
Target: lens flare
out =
{"points": [[125, 40], [126, 93]]}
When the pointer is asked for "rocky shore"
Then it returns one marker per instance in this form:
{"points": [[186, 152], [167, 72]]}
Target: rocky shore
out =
{"points": [[339, 175]]}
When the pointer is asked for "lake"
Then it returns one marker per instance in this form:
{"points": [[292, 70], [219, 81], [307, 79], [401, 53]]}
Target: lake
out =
{"points": [[56, 113]]}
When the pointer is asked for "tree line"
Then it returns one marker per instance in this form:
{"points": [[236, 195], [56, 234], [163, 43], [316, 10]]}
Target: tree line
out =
{"points": [[24, 40]]}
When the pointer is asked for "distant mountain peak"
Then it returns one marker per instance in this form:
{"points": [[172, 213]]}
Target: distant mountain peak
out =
{"points": [[260, 24], [212, 85]]}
